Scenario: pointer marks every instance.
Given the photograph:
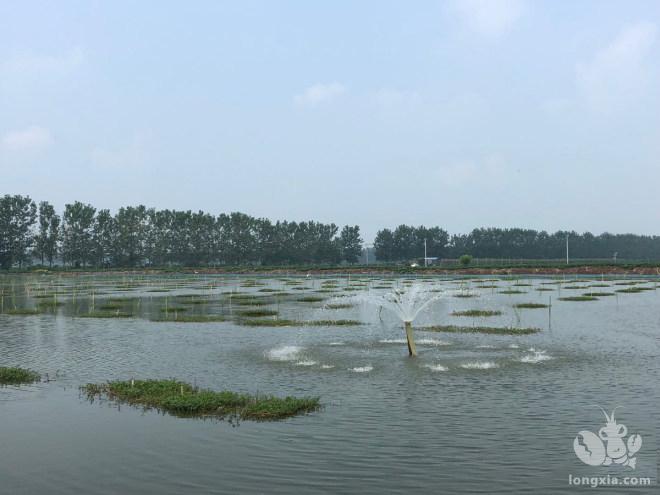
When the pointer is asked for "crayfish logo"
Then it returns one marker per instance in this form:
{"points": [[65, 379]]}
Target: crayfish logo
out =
{"points": [[608, 446]]}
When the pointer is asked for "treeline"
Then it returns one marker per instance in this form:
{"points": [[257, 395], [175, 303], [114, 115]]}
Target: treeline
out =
{"points": [[407, 242], [136, 236]]}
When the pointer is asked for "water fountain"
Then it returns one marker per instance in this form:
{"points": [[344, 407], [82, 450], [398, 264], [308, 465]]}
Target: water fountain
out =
{"points": [[406, 303]]}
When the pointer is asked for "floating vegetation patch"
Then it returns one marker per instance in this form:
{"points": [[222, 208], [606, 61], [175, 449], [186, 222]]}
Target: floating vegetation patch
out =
{"points": [[190, 318], [310, 299], [252, 302], [257, 313], [578, 298], [600, 294], [266, 289], [530, 305], [339, 306], [634, 290], [171, 309], [123, 300], [110, 306], [17, 376], [49, 304], [264, 322], [576, 287], [487, 286], [22, 311], [464, 294], [158, 290], [481, 329], [599, 285], [105, 314], [512, 291], [544, 289], [476, 313], [521, 284], [183, 400]]}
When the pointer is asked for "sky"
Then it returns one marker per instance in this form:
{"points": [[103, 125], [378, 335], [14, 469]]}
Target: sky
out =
{"points": [[462, 113]]}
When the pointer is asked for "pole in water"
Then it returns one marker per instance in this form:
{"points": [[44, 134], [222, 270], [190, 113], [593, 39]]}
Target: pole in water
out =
{"points": [[412, 350]]}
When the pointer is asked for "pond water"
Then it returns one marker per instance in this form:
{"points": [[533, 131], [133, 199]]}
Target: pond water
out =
{"points": [[473, 413]]}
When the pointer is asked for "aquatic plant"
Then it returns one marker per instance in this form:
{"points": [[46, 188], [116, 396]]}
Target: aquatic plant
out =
{"points": [[185, 318], [481, 329], [477, 313], [265, 322], [17, 376], [530, 305], [310, 299], [339, 306], [256, 313], [578, 298], [22, 311], [512, 291], [183, 400], [105, 314]]}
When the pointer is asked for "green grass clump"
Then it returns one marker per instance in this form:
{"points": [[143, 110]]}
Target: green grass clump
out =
{"points": [[530, 305], [177, 318], [487, 286], [476, 313], [17, 376], [465, 295], [339, 306], [183, 400], [22, 311], [105, 314], [512, 291], [49, 304], [599, 294], [264, 322], [110, 306], [480, 329], [578, 298], [257, 313], [633, 290], [310, 299], [544, 289], [173, 309]]}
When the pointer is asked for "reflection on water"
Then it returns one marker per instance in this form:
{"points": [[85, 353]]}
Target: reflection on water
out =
{"points": [[472, 414]]}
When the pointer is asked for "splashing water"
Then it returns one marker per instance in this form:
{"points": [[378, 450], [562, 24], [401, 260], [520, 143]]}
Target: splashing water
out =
{"points": [[406, 303]]}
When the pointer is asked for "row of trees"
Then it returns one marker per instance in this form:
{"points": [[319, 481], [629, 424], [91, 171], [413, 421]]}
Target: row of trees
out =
{"points": [[406, 242], [140, 236]]}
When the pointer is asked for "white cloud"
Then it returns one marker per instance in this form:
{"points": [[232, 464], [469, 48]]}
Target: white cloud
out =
{"points": [[42, 64], [29, 139], [618, 73], [319, 93], [489, 17]]}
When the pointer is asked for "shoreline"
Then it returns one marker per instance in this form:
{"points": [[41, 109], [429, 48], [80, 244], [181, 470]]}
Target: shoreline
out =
{"points": [[594, 270]]}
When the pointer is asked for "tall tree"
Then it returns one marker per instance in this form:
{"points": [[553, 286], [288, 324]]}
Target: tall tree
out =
{"points": [[17, 216], [351, 243], [48, 236], [78, 234]]}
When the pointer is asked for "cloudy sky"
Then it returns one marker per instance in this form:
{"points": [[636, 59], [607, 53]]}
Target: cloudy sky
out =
{"points": [[458, 113]]}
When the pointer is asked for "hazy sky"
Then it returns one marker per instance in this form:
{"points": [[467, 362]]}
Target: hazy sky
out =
{"points": [[459, 113]]}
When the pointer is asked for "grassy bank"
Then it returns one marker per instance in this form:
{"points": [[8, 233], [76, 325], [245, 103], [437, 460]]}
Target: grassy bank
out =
{"points": [[17, 376], [183, 400]]}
